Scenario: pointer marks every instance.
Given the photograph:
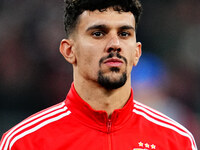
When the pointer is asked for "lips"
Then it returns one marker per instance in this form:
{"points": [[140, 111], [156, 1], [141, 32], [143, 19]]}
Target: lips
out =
{"points": [[113, 62]]}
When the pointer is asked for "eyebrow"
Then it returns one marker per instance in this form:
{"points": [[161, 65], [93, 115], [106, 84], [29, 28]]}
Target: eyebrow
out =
{"points": [[127, 27], [101, 26], [104, 27]]}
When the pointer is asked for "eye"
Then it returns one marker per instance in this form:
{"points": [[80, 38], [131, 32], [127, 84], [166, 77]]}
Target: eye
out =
{"points": [[124, 34], [98, 34]]}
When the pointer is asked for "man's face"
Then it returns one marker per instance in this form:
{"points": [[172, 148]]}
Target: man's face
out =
{"points": [[105, 47]]}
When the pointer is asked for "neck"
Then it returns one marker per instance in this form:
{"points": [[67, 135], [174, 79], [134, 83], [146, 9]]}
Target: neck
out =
{"points": [[100, 98]]}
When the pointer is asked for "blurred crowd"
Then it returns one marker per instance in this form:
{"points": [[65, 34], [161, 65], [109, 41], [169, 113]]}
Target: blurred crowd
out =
{"points": [[34, 75]]}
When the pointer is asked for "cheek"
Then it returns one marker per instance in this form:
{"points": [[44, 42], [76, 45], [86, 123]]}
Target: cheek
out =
{"points": [[89, 52], [131, 61], [130, 55], [132, 58], [87, 58], [130, 64]]}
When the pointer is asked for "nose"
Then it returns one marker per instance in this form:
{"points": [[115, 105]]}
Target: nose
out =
{"points": [[113, 44]]}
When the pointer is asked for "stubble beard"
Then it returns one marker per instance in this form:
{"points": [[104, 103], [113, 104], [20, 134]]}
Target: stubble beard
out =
{"points": [[107, 81], [110, 84]]}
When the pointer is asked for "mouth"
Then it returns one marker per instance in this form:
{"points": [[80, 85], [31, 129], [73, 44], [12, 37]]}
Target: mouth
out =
{"points": [[113, 62]]}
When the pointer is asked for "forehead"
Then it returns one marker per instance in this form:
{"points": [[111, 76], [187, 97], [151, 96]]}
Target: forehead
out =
{"points": [[109, 17]]}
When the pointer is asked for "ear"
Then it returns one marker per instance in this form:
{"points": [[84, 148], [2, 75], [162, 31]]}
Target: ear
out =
{"points": [[138, 53], [66, 49]]}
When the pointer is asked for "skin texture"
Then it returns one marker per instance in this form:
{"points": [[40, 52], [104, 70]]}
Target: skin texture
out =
{"points": [[97, 35]]}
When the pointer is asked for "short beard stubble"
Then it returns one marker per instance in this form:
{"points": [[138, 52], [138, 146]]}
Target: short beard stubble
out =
{"points": [[105, 81]]}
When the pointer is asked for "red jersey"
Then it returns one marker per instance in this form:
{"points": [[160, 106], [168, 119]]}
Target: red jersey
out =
{"points": [[74, 125]]}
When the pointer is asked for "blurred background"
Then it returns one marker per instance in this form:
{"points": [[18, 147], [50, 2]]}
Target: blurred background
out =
{"points": [[34, 75]]}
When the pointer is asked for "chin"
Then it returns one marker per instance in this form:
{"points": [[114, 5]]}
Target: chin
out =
{"points": [[113, 81]]}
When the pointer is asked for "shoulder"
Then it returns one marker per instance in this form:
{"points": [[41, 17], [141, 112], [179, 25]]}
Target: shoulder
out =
{"points": [[159, 119], [33, 124]]}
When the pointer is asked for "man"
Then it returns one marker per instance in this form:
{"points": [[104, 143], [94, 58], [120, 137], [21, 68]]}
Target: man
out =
{"points": [[99, 112]]}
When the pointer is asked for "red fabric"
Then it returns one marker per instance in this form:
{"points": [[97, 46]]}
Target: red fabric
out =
{"points": [[74, 125]]}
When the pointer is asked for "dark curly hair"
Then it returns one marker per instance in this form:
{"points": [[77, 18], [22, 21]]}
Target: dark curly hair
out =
{"points": [[74, 8]]}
